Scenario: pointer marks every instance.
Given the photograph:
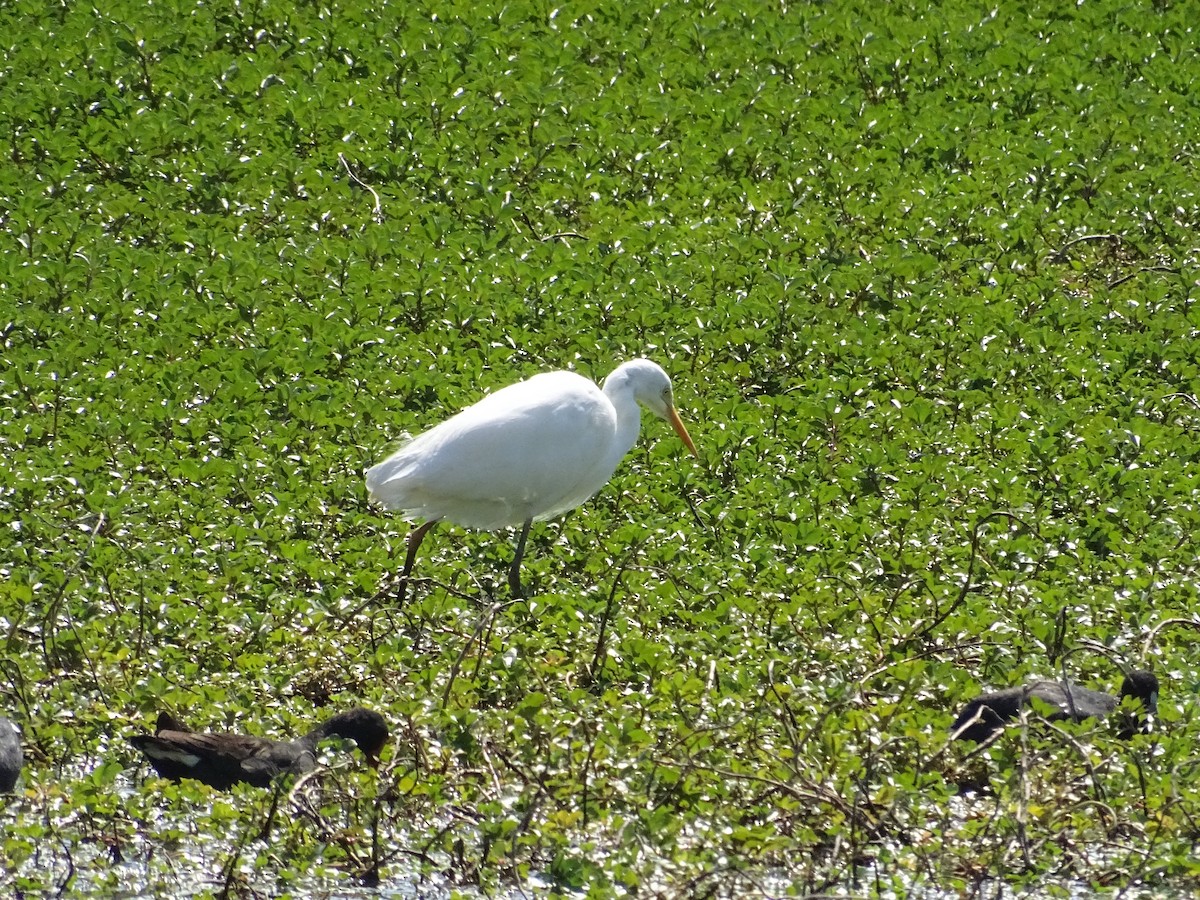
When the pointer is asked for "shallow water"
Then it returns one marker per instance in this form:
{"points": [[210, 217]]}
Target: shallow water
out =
{"points": [[180, 849]]}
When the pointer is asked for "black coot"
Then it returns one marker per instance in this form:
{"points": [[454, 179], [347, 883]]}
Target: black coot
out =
{"points": [[985, 716], [222, 760]]}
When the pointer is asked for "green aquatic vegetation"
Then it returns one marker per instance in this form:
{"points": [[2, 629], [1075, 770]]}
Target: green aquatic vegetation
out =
{"points": [[925, 281]]}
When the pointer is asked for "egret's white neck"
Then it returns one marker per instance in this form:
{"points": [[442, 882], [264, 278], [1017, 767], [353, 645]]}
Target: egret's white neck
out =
{"points": [[618, 388]]}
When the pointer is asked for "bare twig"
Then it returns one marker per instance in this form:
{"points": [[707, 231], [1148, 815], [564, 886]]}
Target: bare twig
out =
{"points": [[924, 654], [1153, 635], [967, 585], [276, 794], [1179, 395], [556, 236], [98, 528], [1096, 646], [601, 638], [1084, 238], [378, 212], [480, 635], [812, 793], [1137, 272]]}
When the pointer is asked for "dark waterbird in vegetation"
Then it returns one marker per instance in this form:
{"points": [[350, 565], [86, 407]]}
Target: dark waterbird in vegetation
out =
{"points": [[12, 758], [223, 760], [985, 716], [530, 451]]}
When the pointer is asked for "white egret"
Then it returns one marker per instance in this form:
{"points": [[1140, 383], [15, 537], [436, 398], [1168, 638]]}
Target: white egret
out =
{"points": [[530, 451]]}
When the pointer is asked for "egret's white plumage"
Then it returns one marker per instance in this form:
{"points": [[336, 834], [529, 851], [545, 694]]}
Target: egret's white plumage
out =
{"points": [[530, 451]]}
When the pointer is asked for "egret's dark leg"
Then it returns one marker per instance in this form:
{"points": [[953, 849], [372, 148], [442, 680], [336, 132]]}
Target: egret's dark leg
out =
{"points": [[514, 574], [414, 542]]}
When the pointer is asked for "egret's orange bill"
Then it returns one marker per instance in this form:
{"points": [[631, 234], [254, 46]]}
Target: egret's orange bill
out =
{"points": [[677, 424]]}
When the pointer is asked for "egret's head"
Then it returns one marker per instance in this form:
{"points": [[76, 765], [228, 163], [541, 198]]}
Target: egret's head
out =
{"points": [[651, 387]]}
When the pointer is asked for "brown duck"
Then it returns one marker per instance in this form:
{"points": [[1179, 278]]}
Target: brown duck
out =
{"points": [[223, 760]]}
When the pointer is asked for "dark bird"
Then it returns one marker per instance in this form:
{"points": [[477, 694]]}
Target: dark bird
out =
{"points": [[12, 757], [223, 760], [985, 716]]}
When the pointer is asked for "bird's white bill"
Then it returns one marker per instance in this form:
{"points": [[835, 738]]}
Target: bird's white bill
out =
{"points": [[677, 424]]}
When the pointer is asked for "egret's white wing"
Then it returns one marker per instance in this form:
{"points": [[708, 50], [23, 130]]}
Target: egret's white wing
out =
{"points": [[531, 450]]}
